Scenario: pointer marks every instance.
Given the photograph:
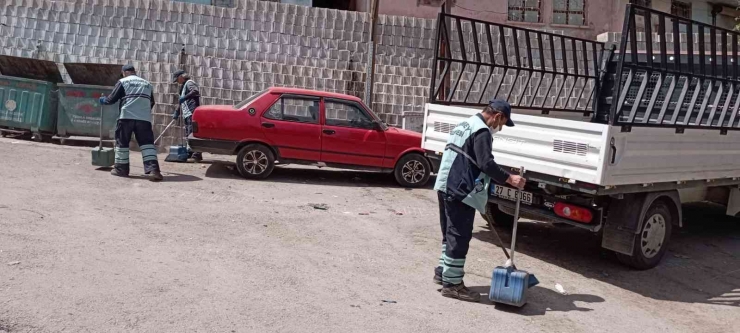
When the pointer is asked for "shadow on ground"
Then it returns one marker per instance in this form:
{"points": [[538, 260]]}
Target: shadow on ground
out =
{"points": [[168, 176], [542, 300], [702, 264], [309, 175]]}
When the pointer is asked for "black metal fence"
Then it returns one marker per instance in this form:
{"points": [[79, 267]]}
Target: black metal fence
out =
{"points": [[476, 61], [675, 73]]}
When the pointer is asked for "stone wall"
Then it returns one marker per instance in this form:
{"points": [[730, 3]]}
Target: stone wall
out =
{"points": [[232, 52]]}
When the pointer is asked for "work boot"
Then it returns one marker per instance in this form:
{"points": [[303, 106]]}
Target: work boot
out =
{"points": [[461, 292], [438, 275], [156, 176], [118, 173], [197, 157]]}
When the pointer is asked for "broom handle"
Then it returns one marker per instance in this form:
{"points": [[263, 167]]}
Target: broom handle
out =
{"points": [[516, 219], [165, 130], [101, 125]]}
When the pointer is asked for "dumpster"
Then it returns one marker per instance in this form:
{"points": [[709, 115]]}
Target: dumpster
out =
{"points": [[28, 96], [79, 110]]}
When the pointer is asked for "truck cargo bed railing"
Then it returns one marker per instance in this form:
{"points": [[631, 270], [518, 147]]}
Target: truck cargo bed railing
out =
{"points": [[477, 60], [685, 76]]}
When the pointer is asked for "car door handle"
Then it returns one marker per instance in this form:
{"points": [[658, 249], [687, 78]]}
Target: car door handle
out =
{"points": [[329, 132], [268, 125]]}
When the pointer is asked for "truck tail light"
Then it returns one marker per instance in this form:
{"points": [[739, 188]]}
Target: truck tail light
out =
{"points": [[575, 213]]}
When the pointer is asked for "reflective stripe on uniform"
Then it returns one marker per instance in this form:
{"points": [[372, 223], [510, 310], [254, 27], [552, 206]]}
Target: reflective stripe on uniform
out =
{"points": [[441, 259], [452, 270], [148, 153], [121, 155]]}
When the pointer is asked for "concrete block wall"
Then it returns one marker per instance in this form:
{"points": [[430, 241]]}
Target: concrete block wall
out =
{"points": [[232, 52]]}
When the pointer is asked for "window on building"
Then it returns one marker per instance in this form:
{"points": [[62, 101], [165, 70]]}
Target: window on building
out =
{"points": [[644, 3], [681, 9], [525, 11], [570, 12], [335, 4]]}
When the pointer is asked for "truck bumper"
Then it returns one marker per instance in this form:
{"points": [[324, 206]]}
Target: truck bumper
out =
{"points": [[220, 147], [544, 215]]}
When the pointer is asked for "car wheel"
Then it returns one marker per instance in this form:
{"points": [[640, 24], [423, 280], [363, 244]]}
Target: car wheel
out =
{"points": [[255, 161], [496, 216], [652, 241], [412, 170]]}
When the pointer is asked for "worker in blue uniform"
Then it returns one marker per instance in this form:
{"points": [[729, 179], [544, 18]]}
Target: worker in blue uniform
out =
{"points": [[135, 97], [462, 186], [189, 100]]}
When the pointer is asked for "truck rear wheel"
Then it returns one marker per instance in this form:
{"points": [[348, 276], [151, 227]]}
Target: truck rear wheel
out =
{"points": [[652, 241], [255, 161], [498, 217]]}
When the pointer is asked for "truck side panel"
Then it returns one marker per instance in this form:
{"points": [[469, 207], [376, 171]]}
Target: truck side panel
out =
{"points": [[565, 148], [655, 155]]}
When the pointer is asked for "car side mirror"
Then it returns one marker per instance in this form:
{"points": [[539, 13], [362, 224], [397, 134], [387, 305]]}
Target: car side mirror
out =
{"points": [[376, 125]]}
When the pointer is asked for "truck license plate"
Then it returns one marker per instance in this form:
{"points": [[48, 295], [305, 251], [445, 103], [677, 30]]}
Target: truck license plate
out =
{"points": [[510, 194]]}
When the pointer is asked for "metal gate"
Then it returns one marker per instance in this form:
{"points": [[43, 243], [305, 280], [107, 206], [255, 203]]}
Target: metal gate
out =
{"points": [[476, 61], [683, 76]]}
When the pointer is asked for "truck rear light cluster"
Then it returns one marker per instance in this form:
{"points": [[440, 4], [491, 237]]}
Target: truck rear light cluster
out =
{"points": [[575, 213]]}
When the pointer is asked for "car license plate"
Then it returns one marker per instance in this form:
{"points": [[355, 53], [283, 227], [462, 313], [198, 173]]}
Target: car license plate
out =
{"points": [[510, 194]]}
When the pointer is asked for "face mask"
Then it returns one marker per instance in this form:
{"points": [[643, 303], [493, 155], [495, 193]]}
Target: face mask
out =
{"points": [[495, 129]]}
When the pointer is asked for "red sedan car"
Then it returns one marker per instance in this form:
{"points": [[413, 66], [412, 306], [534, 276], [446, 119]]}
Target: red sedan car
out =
{"points": [[283, 126]]}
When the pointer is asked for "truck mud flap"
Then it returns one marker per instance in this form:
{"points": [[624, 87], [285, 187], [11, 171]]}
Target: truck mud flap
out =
{"points": [[622, 223], [617, 240]]}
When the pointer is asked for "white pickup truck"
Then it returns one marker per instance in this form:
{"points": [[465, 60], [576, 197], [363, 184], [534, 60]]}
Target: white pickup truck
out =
{"points": [[613, 140]]}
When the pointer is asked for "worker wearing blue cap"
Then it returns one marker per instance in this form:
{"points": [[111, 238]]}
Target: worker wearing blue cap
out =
{"points": [[135, 97], [462, 188]]}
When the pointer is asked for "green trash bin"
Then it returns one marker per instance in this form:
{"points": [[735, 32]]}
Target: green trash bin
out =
{"points": [[79, 110], [28, 96]]}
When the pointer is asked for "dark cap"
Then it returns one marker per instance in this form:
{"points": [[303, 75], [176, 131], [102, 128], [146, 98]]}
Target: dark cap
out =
{"points": [[503, 107], [128, 68], [177, 74]]}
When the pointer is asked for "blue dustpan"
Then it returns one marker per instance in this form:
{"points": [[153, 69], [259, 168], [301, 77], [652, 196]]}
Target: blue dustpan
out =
{"points": [[177, 153], [508, 284]]}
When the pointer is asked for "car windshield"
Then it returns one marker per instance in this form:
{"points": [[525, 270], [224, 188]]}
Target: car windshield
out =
{"points": [[249, 100]]}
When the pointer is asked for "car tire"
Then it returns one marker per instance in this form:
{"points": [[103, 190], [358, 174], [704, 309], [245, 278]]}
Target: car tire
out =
{"points": [[498, 217], [651, 243], [255, 161], [412, 170]]}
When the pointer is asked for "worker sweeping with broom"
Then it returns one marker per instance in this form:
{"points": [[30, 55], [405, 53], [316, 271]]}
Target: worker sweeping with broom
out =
{"points": [[462, 188], [189, 100], [136, 99]]}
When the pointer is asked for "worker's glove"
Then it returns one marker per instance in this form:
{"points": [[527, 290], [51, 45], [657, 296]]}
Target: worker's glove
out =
{"points": [[182, 99], [102, 100], [175, 116]]}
